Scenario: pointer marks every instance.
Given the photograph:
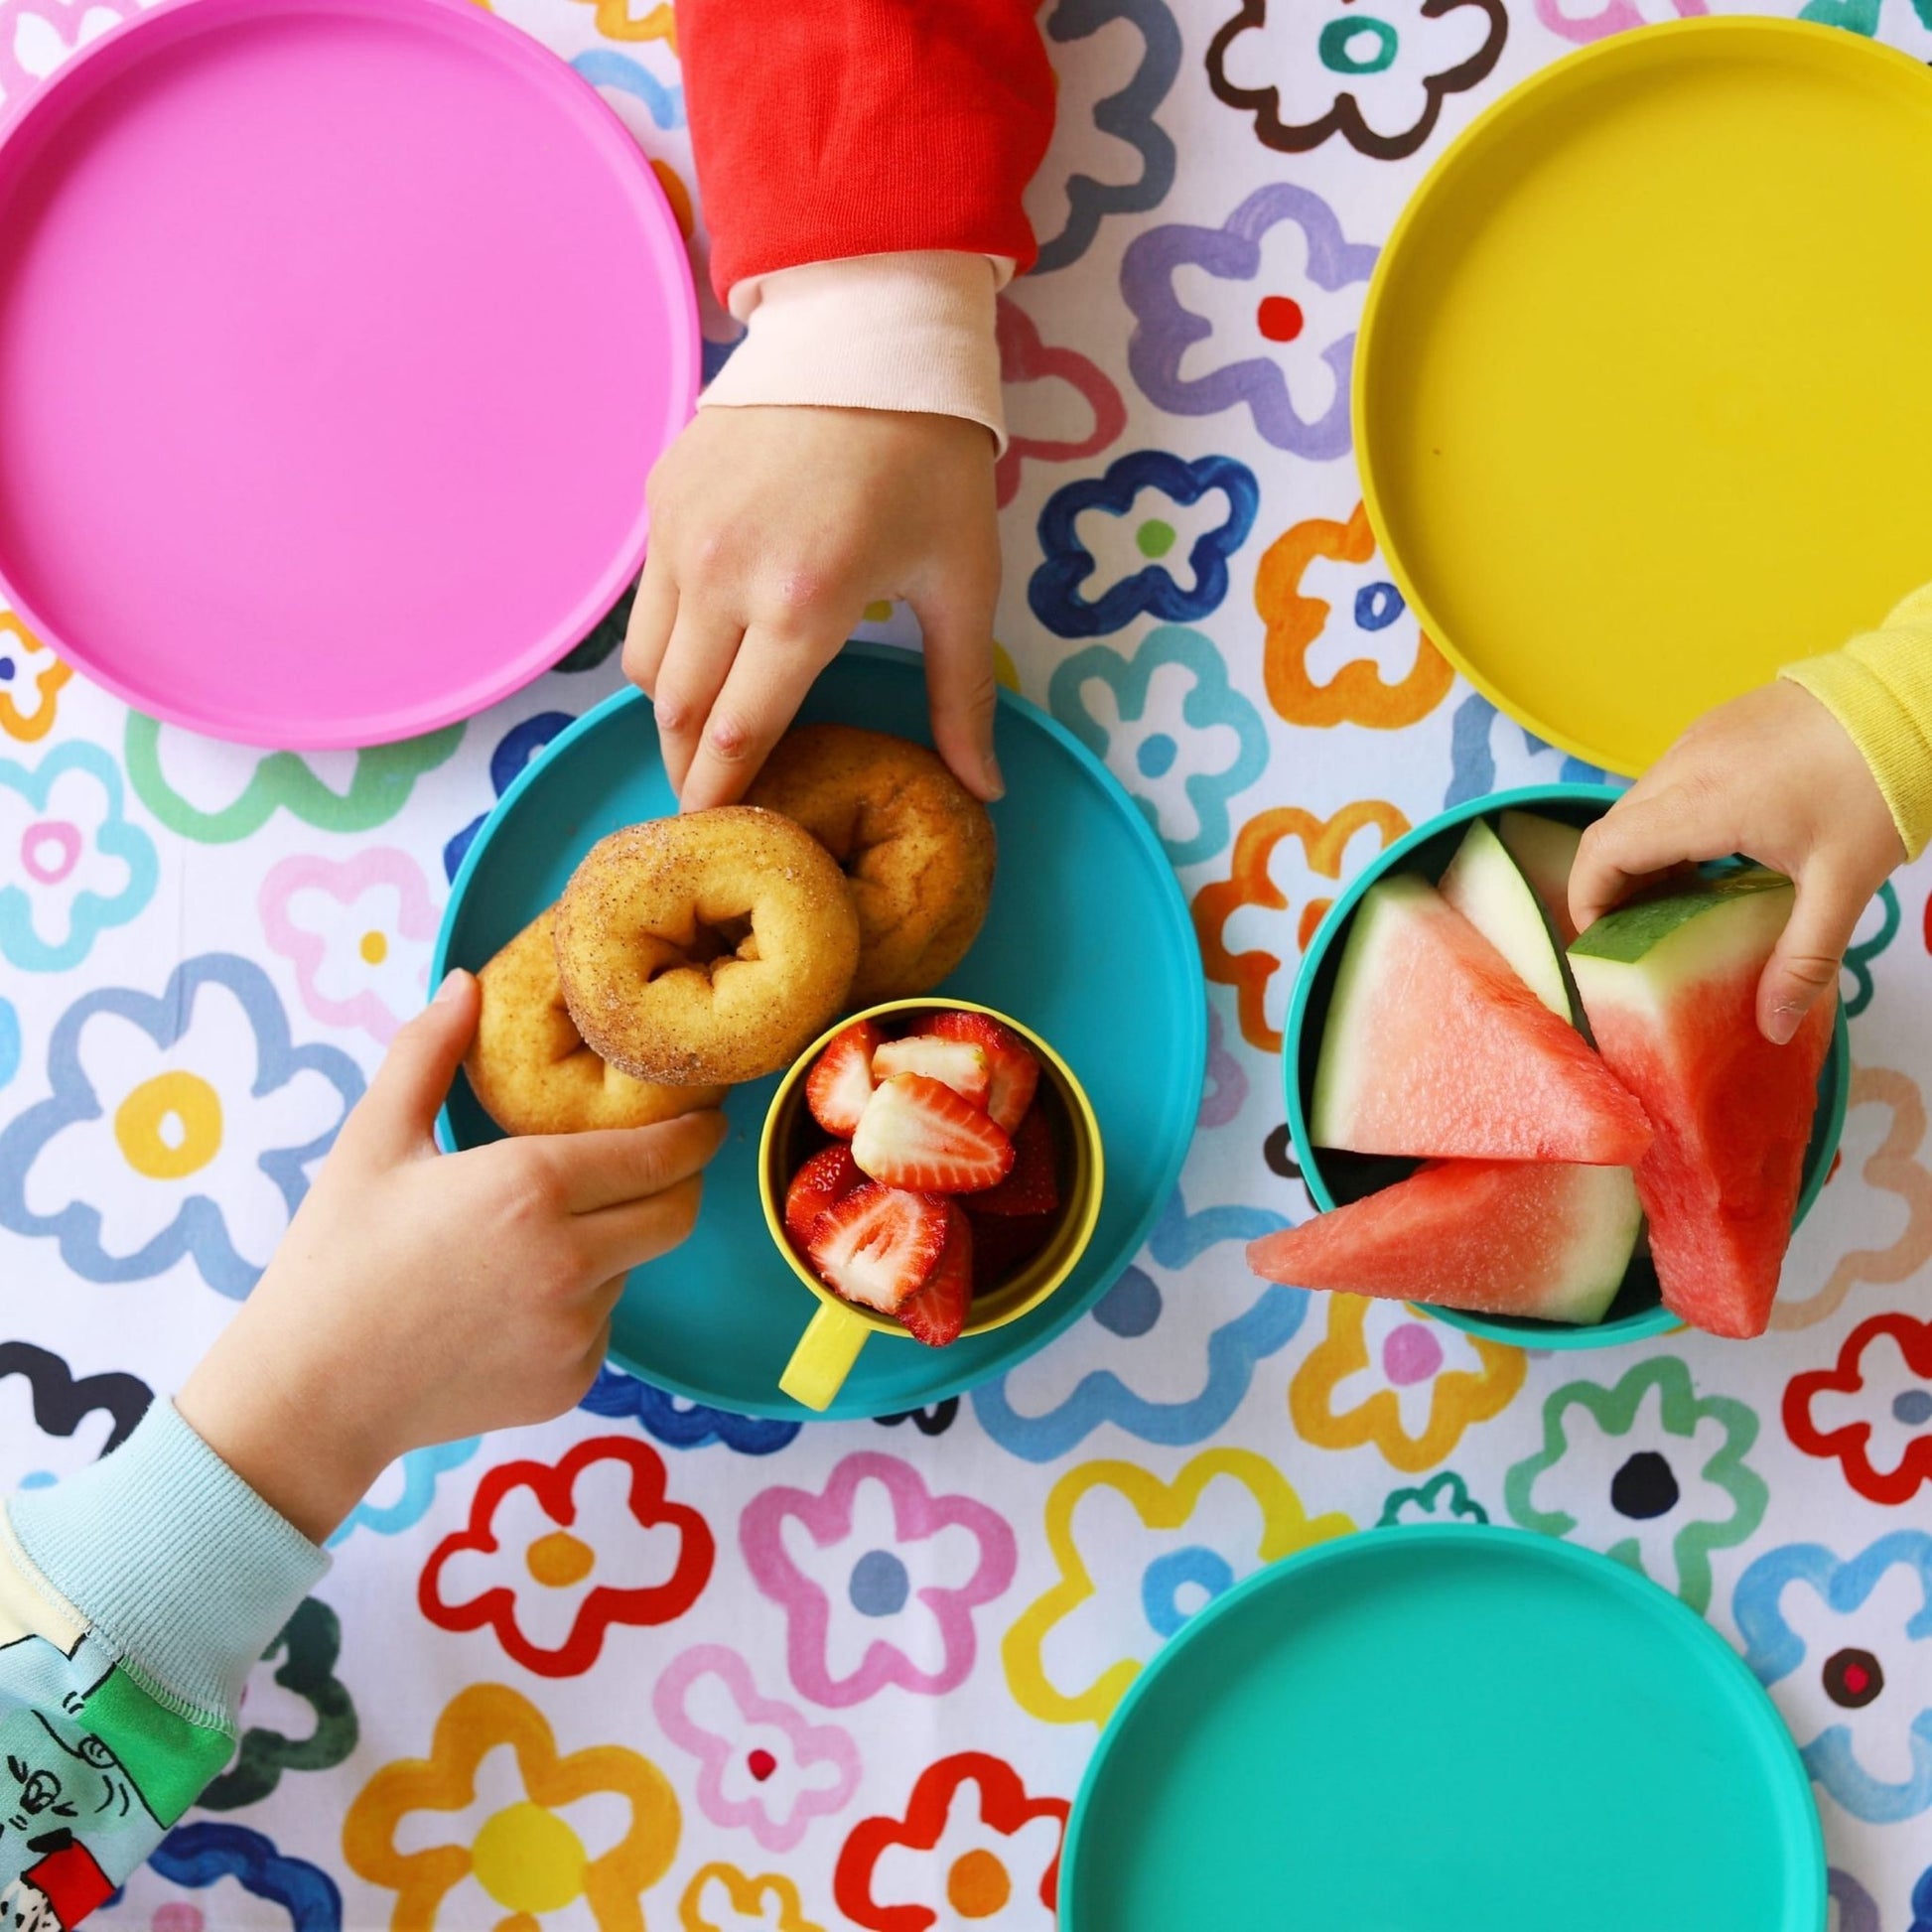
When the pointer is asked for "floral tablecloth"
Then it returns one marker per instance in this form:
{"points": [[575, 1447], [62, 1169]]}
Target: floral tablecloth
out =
{"points": [[654, 1665]]}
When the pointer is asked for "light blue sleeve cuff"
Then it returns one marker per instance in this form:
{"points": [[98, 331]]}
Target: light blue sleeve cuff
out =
{"points": [[176, 1563]]}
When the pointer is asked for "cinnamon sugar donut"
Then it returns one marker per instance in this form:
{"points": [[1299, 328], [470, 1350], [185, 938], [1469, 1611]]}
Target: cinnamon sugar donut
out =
{"points": [[710, 947], [914, 843], [529, 1067]]}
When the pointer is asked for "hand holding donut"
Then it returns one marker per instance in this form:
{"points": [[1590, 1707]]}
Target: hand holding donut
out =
{"points": [[772, 530]]}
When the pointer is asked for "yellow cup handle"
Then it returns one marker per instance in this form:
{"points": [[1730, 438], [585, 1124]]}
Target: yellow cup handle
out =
{"points": [[824, 1355]]}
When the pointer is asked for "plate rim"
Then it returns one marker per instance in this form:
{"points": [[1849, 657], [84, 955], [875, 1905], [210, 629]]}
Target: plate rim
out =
{"points": [[1639, 48], [37, 114], [1361, 1544], [1060, 1310]]}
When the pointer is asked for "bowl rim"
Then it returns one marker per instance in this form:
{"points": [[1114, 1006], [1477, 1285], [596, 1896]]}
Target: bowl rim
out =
{"points": [[1083, 1120], [1646, 1324]]}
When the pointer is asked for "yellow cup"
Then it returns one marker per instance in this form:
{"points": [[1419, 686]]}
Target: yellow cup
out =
{"points": [[832, 1340]]}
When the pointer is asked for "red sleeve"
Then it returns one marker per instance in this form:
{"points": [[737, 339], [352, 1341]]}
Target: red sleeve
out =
{"points": [[827, 128]]}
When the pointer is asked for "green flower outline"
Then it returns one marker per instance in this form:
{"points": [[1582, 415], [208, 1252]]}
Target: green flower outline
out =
{"points": [[310, 1642], [1461, 1507], [1615, 1411], [385, 775]]}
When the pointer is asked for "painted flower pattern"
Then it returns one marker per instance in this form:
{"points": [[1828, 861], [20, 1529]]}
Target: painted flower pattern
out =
{"points": [[678, 1424], [1172, 1359], [518, 747], [762, 1766], [1125, 710], [1060, 405], [238, 1876], [359, 933], [1443, 1498], [505, 1830], [1150, 537], [1648, 1472], [974, 1847], [1871, 1410], [555, 1555], [180, 1125], [37, 40], [1845, 1648], [722, 1898], [1385, 1373], [1307, 72], [31, 677], [1136, 1558], [1489, 753], [54, 1421], [1583, 21], [400, 1497], [1258, 314], [70, 863], [298, 1673], [879, 1580]]}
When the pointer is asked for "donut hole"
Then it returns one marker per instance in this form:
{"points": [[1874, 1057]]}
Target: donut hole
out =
{"points": [[711, 944]]}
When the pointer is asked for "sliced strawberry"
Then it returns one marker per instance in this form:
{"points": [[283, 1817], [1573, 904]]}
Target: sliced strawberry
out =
{"points": [[936, 1313], [1033, 1186], [958, 1063], [826, 1178], [1003, 1244], [877, 1245], [840, 1083], [1013, 1070], [917, 1133]]}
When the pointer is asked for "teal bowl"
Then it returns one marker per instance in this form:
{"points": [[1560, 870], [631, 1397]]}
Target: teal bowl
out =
{"points": [[1334, 1178]]}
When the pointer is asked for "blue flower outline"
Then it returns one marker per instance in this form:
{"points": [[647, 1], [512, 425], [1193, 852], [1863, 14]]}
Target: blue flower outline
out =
{"points": [[684, 1425], [198, 1230], [605, 67], [1053, 593], [9, 1042], [1266, 1326], [1773, 1650], [422, 1469], [1473, 759], [91, 913], [511, 752], [1212, 701], [204, 1853]]}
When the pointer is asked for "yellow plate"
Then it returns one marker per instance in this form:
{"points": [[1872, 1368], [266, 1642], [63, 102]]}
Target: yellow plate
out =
{"points": [[1643, 396]]}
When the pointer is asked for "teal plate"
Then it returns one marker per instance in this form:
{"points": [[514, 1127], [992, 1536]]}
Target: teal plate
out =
{"points": [[1334, 1178], [1087, 940], [1445, 1729]]}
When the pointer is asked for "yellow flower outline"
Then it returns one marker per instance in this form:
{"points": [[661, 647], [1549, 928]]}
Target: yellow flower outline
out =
{"points": [[747, 1894], [1286, 1528], [473, 1723], [30, 727], [1458, 1399]]}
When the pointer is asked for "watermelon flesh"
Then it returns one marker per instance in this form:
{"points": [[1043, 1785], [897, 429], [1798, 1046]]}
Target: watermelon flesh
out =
{"points": [[1545, 850], [1498, 1237], [1670, 985], [1435, 1048], [1491, 891]]}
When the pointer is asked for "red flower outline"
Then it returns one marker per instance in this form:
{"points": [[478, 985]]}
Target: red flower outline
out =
{"points": [[1004, 1804], [1849, 1445], [1025, 357], [553, 1484]]}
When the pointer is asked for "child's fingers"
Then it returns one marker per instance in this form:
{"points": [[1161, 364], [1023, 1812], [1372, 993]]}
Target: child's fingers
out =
{"points": [[1637, 838], [697, 661], [614, 1240], [654, 615], [958, 621], [768, 682], [612, 1166], [1804, 967], [397, 1116]]}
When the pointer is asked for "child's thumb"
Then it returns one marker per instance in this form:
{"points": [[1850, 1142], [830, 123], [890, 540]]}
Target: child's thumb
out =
{"points": [[399, 1109], [1803, 968]]}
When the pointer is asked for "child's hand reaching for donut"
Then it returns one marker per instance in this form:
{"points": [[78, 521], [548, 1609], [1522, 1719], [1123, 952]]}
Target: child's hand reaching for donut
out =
{"points": [[771, 530], [420, 1298]]}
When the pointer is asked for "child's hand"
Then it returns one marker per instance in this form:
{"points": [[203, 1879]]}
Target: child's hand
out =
{"points": [[1773, 775], [772, 530], [418, 1297]]}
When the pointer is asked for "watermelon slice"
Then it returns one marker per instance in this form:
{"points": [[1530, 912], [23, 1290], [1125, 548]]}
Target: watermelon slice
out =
{"points": [[1546, 849], [1434, 1047], [1670, 984], [1487, 887], [1501, 1237]]}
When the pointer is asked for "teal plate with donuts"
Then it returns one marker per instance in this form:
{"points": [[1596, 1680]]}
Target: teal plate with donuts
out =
{"points": [[1087, 940]]}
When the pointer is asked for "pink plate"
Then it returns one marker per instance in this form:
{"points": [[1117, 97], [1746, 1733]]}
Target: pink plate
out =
{"points": [[336, 340]]}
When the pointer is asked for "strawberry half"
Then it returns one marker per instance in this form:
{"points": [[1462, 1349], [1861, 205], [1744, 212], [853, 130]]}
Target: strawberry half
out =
{"points": [[1013, 1071], [877, 1245], [1033, 1186], [917, 1133], [936, 1313], [824, 1180], [840, 1083], [958, 1063]]}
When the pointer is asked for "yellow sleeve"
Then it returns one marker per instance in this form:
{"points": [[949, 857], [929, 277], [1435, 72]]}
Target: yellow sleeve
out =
{"points": [[1880, 688]]}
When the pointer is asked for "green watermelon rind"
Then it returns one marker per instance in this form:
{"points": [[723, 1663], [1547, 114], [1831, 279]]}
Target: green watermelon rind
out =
{"points": [[1338, 1074], [1668, 925]]}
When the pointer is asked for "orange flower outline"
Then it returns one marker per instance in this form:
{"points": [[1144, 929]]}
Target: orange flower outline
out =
{"points": [[473, 1723], [746, 1893], [30, 727], [1458, 1399], [1357, 694], [1326, 842]]}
